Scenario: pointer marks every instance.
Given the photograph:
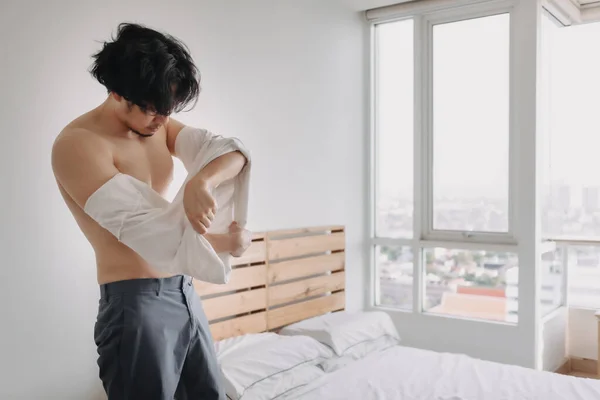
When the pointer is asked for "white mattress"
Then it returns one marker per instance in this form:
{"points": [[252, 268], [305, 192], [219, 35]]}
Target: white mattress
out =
{"points": [[413, 374]]}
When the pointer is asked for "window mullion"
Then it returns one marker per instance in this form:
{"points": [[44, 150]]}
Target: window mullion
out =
{"points": [[384, 241], [426, 150], [421, 164]]}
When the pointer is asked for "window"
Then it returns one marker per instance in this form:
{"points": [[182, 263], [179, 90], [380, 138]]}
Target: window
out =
{"points": [[572, 194], [552, 285], [471, 283], [393, 163], [471, 125], [459, 148], [395, 269], [394, 129], [583, 263], [571, 181]]}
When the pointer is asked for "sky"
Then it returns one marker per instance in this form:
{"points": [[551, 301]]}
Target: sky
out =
{"points": [[471, 104], [572, 103]]}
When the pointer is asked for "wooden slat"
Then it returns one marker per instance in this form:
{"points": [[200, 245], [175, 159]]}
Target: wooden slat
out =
{"points": [[297, 312], [286, 270], [271, 277], [294, 291], [233, 304], [303, 231], [255, 253], [241, 278], [300, 246], [254, 323]]}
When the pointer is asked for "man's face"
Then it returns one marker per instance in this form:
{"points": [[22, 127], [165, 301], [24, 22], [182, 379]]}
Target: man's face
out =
{"points": [[144, 122]]}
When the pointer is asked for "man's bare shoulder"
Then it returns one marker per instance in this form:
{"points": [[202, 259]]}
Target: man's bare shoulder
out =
{"points": [[81, 161], [173, 128], [78, 138], [76, 145], [78, 130]]}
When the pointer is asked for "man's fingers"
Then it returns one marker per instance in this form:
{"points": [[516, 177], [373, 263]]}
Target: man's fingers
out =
{"points": [[204, 221], [197, 225], [213, 207], [210, 215]]}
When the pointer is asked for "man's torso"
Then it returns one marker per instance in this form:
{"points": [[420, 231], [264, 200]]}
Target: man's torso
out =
{"points": [[147, 159]]}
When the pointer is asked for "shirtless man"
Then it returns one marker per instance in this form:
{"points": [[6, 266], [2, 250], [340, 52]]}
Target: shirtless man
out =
{"points": [[151, 332]]}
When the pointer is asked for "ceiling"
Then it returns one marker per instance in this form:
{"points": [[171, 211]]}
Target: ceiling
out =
{"points": [[361, 5]]}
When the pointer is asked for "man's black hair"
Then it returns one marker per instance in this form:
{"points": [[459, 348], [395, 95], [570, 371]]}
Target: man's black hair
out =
{"points": [[149, 69]]}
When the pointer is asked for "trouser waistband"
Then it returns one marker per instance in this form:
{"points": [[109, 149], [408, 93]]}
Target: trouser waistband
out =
{"points": [[178, 282]]}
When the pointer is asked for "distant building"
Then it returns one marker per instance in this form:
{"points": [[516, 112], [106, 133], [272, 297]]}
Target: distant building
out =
{"points": [[590, 197], [561, 197], [481, 291], [551, 292], [491, 308]]}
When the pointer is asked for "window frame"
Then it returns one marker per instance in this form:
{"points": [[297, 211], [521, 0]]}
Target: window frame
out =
{"points": [[423, 236], [515, 343], [374, 135], [429, 233]]}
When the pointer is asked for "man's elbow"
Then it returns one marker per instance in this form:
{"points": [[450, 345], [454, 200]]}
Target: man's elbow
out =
{"points": [[238, 161], [242, 157], [241, 151]]}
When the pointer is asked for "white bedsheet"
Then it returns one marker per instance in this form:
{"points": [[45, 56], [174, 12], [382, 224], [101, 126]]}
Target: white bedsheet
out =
{"points": [[402, 373]]}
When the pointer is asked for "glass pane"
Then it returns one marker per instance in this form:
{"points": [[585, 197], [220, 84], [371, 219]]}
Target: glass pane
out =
{"points": [[394, 129], [584, 276], [571, 196], [471, 125], [395, 272], [552, 285], [471, 283]]}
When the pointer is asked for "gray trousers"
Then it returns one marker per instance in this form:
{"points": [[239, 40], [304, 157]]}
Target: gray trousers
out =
{"points": [[154, 342]]}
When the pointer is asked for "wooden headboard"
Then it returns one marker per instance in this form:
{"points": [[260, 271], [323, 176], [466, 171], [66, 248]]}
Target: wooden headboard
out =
{"points": [[284, 277]]}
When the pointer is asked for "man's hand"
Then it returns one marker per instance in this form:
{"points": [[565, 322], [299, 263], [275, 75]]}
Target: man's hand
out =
{"points": [[240, 239], [235, 242], [199, 204]]}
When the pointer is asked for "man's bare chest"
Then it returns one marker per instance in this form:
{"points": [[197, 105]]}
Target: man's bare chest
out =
{"points": [[148, 160]]}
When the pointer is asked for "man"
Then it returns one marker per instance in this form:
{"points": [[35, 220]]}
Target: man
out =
{"points": [[152, 335]]}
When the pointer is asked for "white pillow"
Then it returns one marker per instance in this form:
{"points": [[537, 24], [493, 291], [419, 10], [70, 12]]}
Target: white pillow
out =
{"points": [[359, 351], [342, 330], [237, 343], [269, 365]]}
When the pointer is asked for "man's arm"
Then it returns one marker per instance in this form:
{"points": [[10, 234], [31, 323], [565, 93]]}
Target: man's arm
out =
{"points": [[173, 129], [198, 201], [81, 164], [216, 172]]}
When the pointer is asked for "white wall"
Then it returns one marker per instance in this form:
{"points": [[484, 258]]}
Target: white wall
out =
{"points": [[554, 340], [583, 334], [288, 77]]}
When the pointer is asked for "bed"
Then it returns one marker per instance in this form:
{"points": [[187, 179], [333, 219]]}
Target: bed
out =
{"points": [[281, 332]]}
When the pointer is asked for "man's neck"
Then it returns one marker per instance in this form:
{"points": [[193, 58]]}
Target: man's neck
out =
{"points": [[106, 116]]}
